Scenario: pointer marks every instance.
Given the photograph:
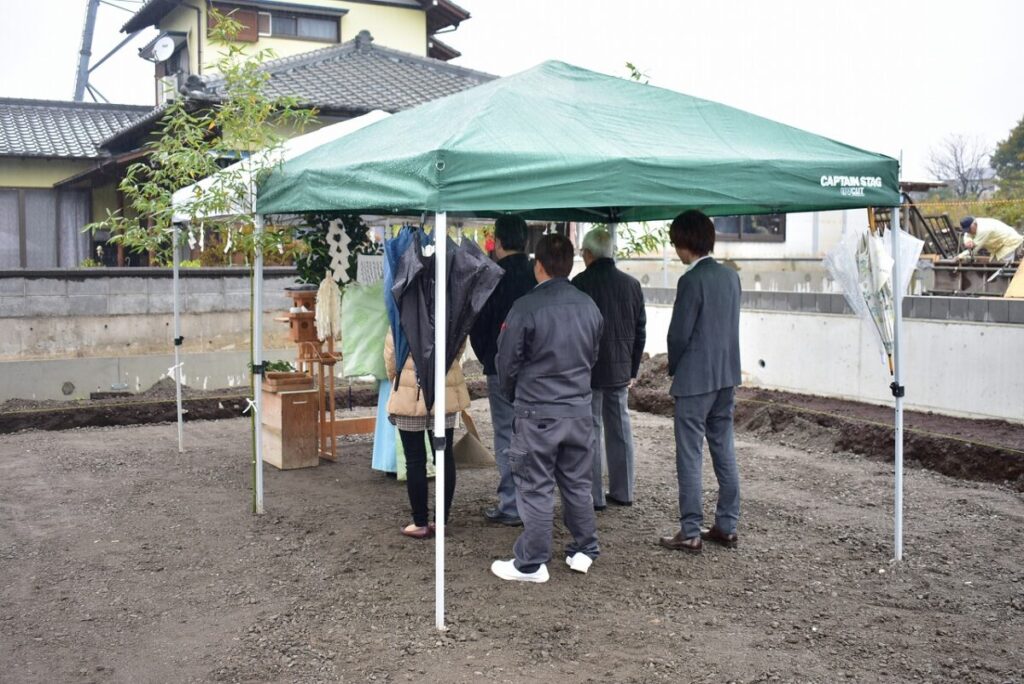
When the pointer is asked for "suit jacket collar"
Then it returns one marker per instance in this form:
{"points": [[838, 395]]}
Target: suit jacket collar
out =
{"points": [[704, 259]]}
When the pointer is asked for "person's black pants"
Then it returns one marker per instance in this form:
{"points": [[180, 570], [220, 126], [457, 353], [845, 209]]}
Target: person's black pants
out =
{"points": [[414, 444]]}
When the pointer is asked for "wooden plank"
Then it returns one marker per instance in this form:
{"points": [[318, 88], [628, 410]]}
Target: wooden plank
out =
{"points": [[1016, 287], [364, 425]]}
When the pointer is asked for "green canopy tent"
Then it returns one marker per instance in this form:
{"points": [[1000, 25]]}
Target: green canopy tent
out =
{"points": [[558, 142]]}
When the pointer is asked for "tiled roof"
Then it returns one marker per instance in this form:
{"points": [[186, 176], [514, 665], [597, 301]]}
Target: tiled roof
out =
{"points": [[53, 129], [358, 76]]}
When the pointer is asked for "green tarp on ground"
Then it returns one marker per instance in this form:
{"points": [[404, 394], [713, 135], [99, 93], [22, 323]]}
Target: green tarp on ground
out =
{"points": [[558, 142]]}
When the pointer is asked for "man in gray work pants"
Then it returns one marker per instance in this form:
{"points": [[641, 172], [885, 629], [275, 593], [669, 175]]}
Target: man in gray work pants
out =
{"points": [[546, 352]]}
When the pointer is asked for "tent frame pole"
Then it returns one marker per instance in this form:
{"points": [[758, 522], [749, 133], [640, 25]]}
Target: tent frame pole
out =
{"points": [[176, 296], [440, 354], [257, 360], [897, 386]]}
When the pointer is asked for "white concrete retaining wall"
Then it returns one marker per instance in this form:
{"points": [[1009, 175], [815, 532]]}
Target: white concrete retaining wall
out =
{"points": [[954, 367]]}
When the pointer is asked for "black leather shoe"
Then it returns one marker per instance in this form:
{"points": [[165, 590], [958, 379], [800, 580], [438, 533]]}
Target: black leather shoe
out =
{"points": [[729, 541], [495, 516], [618, 502], [681, 543]]}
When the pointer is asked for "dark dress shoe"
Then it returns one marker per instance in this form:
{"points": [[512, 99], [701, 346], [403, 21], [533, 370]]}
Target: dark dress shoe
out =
{"points": [[729, 541], [599, 507], [495, 516], [618, 502], [680, 543]]}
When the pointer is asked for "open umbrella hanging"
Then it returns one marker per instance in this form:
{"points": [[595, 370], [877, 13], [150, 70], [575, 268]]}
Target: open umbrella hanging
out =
{"points": [[472, 278], [413, 292]]}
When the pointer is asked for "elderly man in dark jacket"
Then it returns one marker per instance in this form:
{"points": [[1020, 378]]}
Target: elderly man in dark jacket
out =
{"points": [[546, 352], [509, 242], [621, 302]]}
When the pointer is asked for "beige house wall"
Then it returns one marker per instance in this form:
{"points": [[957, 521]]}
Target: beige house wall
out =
{"points": [[38, 173], [398, 28]]}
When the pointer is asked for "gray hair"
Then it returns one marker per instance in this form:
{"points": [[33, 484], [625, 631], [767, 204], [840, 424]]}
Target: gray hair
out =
{"points": [[599, 243]]}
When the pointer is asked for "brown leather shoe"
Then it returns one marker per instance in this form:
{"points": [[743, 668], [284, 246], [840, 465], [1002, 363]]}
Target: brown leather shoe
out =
{"points": [[680, 543], [729, 541]]}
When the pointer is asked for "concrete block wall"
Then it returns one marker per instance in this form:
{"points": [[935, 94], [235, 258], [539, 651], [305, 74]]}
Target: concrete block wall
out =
{"points": [[128, 291], [121, 312], [961, 356]]}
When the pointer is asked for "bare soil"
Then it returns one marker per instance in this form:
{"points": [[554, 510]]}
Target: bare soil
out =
{"points": [[984, 450], [127, 562], [158, 405]]}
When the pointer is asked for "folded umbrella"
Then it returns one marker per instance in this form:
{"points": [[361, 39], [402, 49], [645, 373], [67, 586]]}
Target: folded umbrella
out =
{"points": [[394, 248]]}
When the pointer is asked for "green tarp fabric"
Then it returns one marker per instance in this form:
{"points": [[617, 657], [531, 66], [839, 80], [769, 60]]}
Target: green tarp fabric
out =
{"points": [[558, 142], [364, 324]]}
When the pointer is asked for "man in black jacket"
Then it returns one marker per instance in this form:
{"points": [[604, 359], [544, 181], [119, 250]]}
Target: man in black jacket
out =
{"points": [[621, 301], [509, 243]]}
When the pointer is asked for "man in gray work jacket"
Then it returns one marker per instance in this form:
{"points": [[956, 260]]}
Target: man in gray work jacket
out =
{"points": [[704, 362], [546, 352]]}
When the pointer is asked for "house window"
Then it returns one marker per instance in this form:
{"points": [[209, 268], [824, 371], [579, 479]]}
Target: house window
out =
{"points": [[755, 228], [304, 26], [42, 228]]}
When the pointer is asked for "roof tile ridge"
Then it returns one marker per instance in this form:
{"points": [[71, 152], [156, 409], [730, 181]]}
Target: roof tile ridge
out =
{"points": [[71, 104]]}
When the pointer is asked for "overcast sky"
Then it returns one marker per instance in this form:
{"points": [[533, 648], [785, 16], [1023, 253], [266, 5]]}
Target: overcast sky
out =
{"points": [[891, 77]]}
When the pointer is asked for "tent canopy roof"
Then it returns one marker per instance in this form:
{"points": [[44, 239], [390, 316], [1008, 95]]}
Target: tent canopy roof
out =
{"points": [[557, 142], [188, 206]]}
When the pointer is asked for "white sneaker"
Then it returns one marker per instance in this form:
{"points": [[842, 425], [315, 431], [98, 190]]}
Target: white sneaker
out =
{"points": [[507, 570], [579, 562]]}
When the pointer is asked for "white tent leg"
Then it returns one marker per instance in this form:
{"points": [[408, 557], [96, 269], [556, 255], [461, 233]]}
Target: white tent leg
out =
{"points": [[177, 335], [257, 359], [897, 386], [440, 331]]}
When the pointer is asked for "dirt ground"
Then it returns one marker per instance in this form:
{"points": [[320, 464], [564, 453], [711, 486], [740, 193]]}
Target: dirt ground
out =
{"points": [[127, 562], [971, 449]]}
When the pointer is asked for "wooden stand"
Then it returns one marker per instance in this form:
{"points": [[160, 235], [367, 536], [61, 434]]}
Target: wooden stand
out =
{"points": [[289, 420], [320, 364]]}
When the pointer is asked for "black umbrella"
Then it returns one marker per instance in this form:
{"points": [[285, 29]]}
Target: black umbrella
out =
{"points": [[471, 278]]}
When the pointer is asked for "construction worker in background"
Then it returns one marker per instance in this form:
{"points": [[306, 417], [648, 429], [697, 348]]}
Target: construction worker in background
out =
{"points": [[992, 235]]}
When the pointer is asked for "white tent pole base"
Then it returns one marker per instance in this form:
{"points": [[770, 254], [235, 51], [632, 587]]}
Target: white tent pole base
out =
{"points": [[440, 336]]}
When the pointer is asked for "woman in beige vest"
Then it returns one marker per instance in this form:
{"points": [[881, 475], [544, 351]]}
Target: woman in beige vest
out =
{"points": [[408, 412]]}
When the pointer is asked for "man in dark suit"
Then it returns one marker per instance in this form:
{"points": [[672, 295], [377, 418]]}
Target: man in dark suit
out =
{"points": [[704, 362], [621, 301], [509, 240]]}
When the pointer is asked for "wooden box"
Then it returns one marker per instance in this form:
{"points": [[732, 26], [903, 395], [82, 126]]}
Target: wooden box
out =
{"points": [[289, 429]]}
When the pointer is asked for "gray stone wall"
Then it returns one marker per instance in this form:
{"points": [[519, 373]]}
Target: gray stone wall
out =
{"points": [[133, 291]]}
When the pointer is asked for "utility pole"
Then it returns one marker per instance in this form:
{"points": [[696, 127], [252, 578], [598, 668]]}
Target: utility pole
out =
{"points": [[85, 53]]}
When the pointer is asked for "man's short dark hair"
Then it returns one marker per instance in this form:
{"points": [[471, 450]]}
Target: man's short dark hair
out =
{"points": [[511, 232], [694, 231], [555, 253]]}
